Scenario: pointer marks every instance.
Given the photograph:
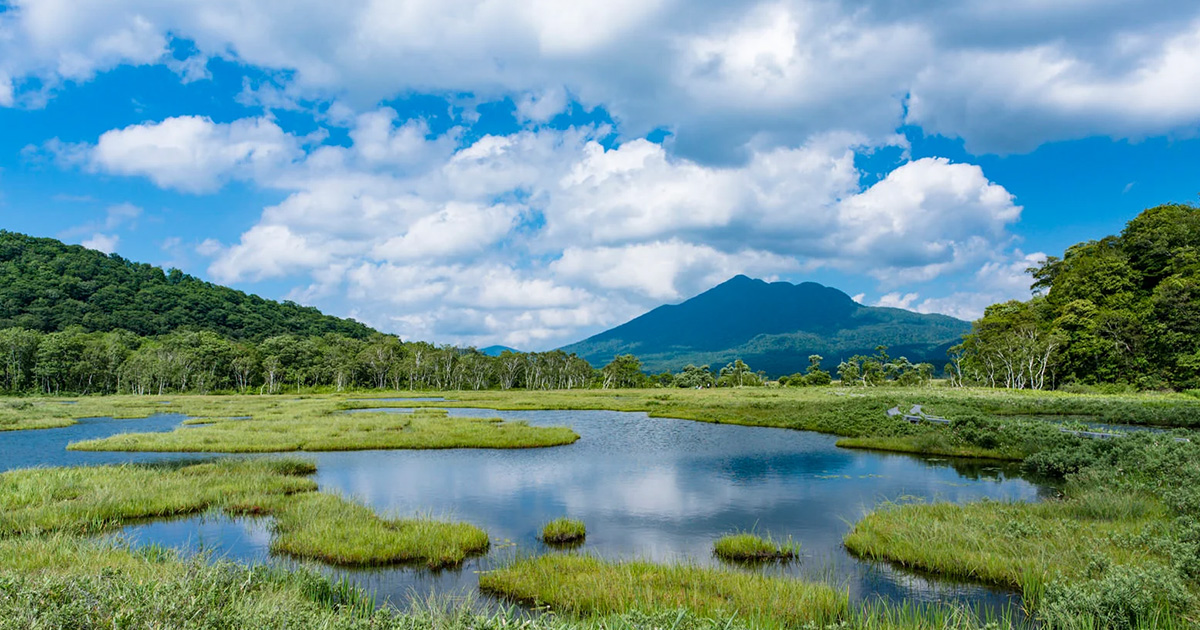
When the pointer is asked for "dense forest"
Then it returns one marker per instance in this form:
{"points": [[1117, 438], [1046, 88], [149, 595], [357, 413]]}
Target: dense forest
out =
{"points": [[48, 286], [1121, 310]]}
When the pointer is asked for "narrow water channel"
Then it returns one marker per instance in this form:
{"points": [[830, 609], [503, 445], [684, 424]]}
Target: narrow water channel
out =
{"points": [[647, 488]]}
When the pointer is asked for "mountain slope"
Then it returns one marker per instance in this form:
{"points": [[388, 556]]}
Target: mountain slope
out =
{"points": [[773, 327], [48, 286]]}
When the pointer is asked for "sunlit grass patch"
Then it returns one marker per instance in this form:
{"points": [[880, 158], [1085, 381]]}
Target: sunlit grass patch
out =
{"points": [[587, 586], [308, 524], [88, 500], [1007, 543], [330, 529], [748, 547], [564, 531], [339, 432], [1057, 553], [928, 444]]}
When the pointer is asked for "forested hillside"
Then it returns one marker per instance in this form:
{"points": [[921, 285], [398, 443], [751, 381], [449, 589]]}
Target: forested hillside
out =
{"points": [[1123, 309], [48, 286], [774, 327]]}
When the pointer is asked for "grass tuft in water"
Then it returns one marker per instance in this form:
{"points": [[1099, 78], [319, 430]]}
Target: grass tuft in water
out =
{"points": [[564, 531], [748, 547]]}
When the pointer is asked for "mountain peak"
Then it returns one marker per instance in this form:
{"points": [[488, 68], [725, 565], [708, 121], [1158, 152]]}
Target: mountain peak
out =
{"points": [[777, 324]]}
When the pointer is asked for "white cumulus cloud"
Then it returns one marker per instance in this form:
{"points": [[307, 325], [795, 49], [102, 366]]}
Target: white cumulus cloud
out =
{"points": [[192, 153], [724, 77]]}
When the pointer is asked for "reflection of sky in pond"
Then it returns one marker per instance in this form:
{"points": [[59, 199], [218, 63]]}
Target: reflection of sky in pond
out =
{"points": [[47, 447], [657, 489]]}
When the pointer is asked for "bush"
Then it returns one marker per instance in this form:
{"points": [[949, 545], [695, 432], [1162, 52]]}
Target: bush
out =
{"points": [[1121, 598]]}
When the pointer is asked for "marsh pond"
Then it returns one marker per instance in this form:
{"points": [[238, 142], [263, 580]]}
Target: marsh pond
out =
{"points": [[647, 488]]}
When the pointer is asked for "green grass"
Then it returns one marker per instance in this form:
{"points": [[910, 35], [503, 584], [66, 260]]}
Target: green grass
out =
{"points": [[1009, 543], [588, 586], [931, 443], [426, 429], [747, 547], [66, 583], [308, 524], [1050, 551], [89, 500], [327, 528], [59, 582], [564, 531]]}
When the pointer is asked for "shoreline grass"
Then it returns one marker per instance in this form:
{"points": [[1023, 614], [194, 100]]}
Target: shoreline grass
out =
{"points": [[927, 445], [1097, 557], [90, 500], [564, 531], [61, 582], [1010, 544], [748, 547], [337, 432], [308, 524], [588, 586]]}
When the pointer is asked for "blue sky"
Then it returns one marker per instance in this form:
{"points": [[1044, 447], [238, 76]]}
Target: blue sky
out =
{"points": [[525, 174]]}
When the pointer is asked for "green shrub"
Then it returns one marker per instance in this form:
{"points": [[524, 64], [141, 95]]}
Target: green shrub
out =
{"points": [[1121, 598]]}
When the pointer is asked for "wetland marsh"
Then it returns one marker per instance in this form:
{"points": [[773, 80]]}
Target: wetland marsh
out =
{"points": [[650, 490]]}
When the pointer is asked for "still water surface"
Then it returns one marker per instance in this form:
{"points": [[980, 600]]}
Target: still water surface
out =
{"points": [[647, 488]]}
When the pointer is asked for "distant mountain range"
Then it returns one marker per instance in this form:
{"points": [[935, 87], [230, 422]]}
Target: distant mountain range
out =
{"points": [[773, 327], [495, 351]]}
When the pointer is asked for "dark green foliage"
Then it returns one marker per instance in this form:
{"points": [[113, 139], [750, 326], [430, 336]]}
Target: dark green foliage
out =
{"points": [[1124, 309], [49, 286], [773, 327], [693, 377], [73, 320], [624, 370]]}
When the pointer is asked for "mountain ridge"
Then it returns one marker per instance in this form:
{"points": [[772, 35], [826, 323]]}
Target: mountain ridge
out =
{"points": [[773, 326], [48, 286]]}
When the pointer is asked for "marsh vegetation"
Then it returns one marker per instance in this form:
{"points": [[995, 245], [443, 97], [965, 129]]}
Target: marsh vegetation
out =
{"points": [[750, 547], [423, 429], [307, 523], [1118, 550], [564, 531], [586, 585]]}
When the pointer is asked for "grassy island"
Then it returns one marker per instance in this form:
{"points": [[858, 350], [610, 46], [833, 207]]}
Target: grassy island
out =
{"points": [[747, 547], [564, 531], [424, 429]]}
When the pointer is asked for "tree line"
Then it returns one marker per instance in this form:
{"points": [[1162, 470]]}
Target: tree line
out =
{"points": [[76, 361], [79, 362]]}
